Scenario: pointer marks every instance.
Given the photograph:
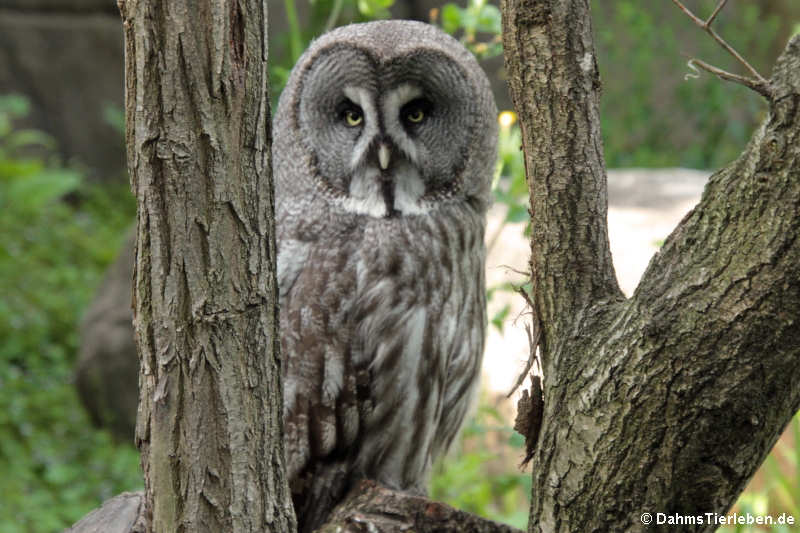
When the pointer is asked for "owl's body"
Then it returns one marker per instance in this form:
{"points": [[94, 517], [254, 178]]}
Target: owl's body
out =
{"points": [[384, 148]]}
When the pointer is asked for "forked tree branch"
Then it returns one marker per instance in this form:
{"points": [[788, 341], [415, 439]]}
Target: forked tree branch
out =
{"points": [[716, 12], [756, 83], [666, 402]]}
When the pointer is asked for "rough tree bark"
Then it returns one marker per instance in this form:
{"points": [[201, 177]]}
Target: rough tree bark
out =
{"points": [[670, 400], [205, 298]]}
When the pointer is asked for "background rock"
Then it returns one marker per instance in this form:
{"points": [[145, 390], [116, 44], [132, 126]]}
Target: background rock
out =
{"points": [[107, 373], [67, 58]]}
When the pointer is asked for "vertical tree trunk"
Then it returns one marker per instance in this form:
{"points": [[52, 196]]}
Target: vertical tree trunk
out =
{"points": [[669, 401], [198, 136]]}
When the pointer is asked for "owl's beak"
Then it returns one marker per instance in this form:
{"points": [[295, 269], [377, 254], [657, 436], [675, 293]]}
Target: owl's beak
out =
{"points": [[383, 156]]}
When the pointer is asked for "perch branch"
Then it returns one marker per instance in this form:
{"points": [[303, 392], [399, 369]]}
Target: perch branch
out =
{"points": [[373, 508], [369, 508]]}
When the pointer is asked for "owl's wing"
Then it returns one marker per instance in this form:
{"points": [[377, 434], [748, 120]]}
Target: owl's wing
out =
{"points": [[292, 257], [322, 388], [463, 340]]}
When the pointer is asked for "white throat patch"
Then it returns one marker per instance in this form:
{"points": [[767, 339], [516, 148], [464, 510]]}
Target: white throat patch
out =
{"points": [[365, 196], [366, 192]]}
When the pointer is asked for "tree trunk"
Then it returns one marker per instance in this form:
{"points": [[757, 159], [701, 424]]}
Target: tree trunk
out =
{"points": [[666, 402], [205, 298]]}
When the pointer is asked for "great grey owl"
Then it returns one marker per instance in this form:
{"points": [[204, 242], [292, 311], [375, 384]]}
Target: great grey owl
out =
{"points": [[384, 148]]}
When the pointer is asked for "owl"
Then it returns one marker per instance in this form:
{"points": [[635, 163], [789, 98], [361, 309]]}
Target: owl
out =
{"points": [[384, 148]]}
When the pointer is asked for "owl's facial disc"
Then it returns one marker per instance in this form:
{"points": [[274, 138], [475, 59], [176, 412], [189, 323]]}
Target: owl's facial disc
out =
{"points": [[385, 180], [388, 136]]}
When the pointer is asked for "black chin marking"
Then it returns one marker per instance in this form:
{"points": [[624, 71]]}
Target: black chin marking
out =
{"points": [[387, 189]]}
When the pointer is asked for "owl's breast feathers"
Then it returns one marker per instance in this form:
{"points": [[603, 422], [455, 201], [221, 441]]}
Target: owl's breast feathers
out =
{"points": [[382, 337]]}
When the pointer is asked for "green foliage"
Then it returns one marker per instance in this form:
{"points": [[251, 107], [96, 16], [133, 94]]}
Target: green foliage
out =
{"points": [[480, 478], [58, 235], [374, 9], [324, 15], [476, 18], [115, 117], [642, 51], [509, 185], [782, 469], [510, 189]]}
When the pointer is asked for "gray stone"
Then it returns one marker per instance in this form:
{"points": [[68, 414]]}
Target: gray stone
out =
{"points": [[109, 6], [107, 374], [70, 66], [123, 513]]}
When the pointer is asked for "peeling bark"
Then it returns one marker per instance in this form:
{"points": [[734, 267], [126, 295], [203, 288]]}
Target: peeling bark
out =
{"points": [[205, 298], [670, 400]]}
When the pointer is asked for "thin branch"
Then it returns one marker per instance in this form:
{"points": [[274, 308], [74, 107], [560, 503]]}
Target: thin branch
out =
{"points": [[760, 87], [700, 22], [533, 343], [706, 25], [735, 54], [716, 12], [516, 271], [534, 337]]}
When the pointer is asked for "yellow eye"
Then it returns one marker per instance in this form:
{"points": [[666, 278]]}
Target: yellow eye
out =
{"points": [[415, 115], [353, 117]]}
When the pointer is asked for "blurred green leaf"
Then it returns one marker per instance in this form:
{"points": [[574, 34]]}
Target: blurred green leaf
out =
{"points": [[482, 476], [498, 320], [451, 18], [375, 9], [489, 20], [114, 117], [54, 466], [476, 18], [518, 213], [28, 138], [33, 191], [14, 105]]}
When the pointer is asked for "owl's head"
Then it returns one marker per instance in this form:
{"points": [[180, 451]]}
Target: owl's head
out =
{"points": [[393, 118]]}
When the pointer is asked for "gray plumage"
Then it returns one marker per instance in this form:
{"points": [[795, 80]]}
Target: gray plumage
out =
{"points": [[384, 149]]}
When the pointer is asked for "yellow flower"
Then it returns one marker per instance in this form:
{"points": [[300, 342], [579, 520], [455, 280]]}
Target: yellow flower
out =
{"points": [[506, 119]]}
